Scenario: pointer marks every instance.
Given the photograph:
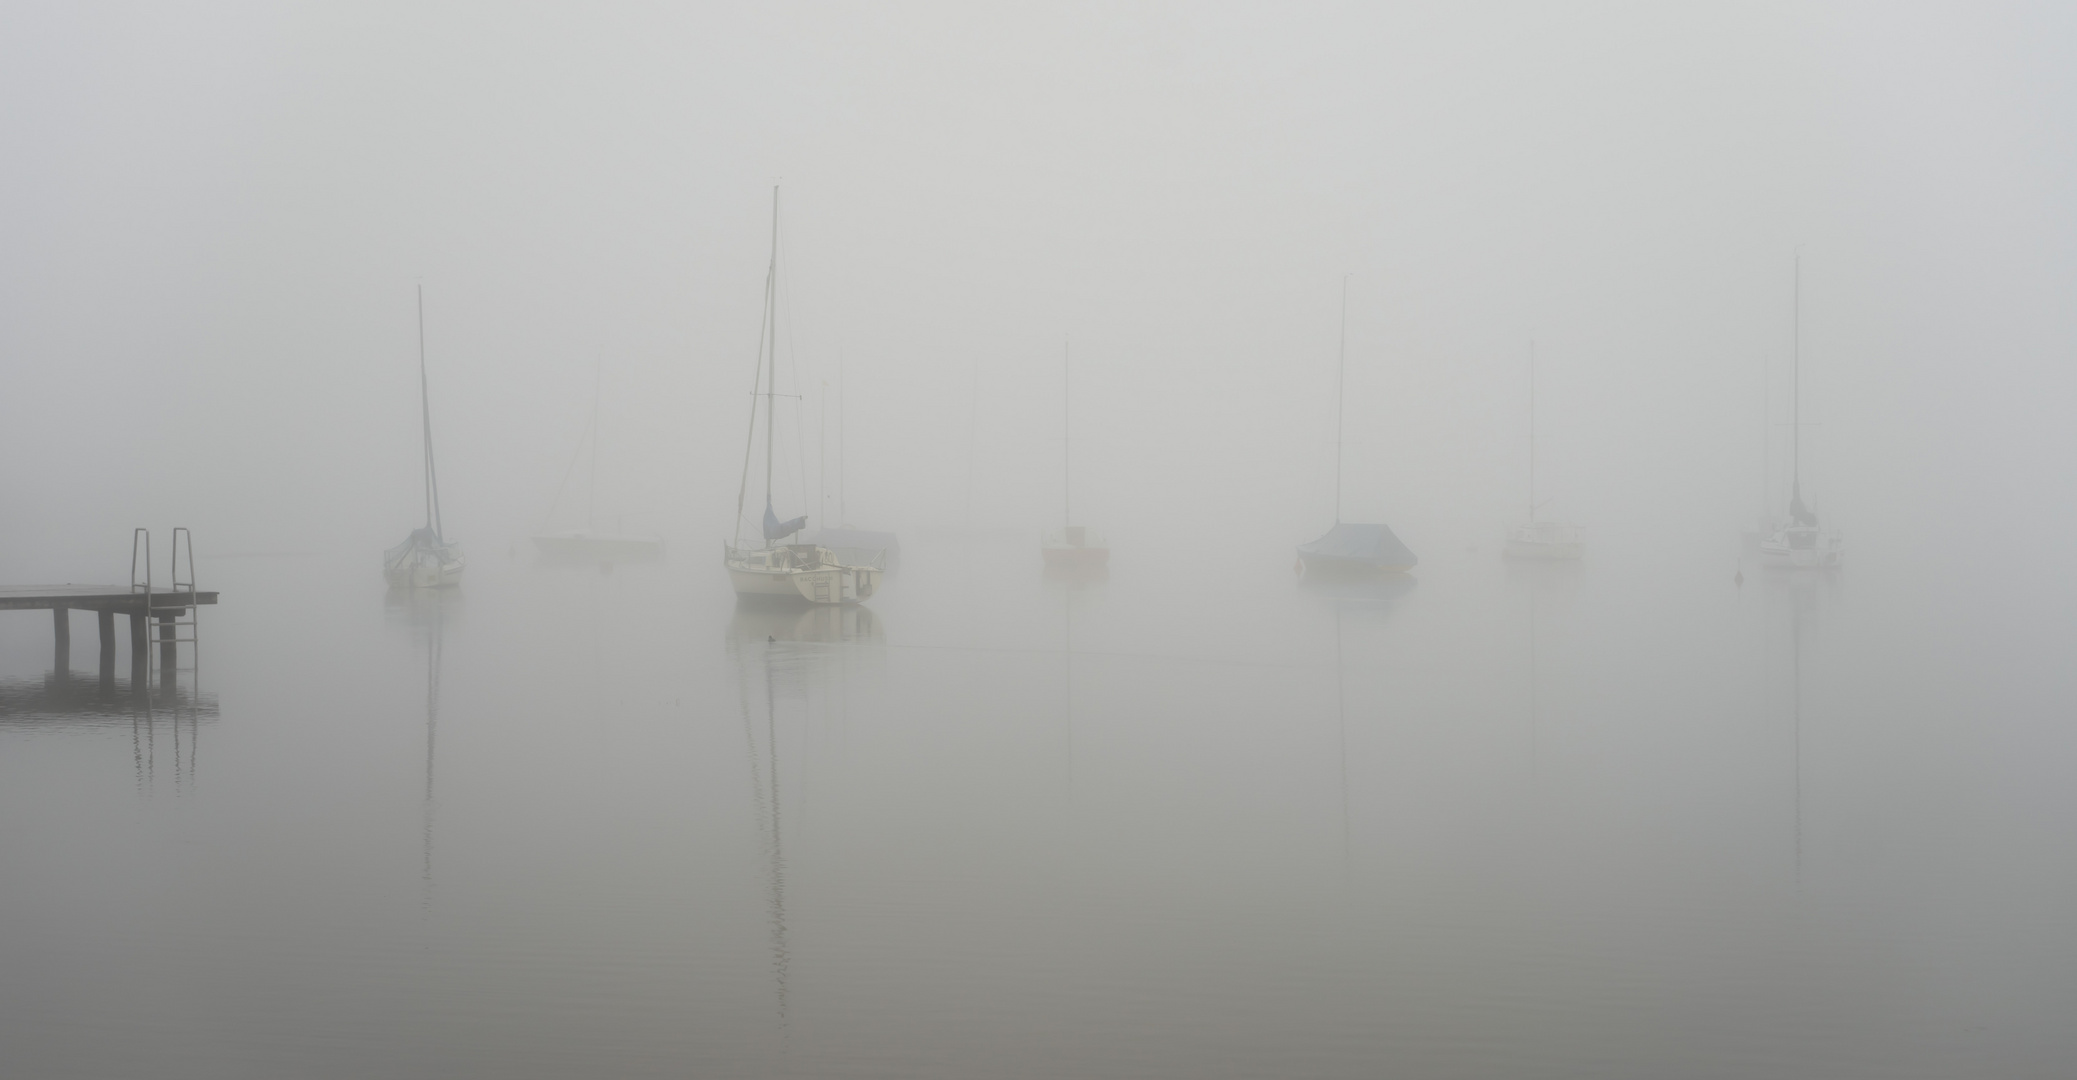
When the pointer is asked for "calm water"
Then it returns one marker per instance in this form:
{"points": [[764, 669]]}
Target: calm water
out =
{"points": [[1623, 819]]}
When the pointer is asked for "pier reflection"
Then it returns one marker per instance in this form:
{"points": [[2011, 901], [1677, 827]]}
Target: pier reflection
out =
{"points": [[154, 712]]}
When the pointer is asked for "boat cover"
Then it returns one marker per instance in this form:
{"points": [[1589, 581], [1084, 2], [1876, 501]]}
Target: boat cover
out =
{"points": [[1797, 511], [1373, 545], [774, 529]]}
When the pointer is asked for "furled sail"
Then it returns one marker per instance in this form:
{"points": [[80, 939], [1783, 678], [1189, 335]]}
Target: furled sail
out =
{"points": [[774, 529]]}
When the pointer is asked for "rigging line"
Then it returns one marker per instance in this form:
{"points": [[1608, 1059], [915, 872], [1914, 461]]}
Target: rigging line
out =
{"points": [[1341, 375], [575, 457], [800, 446], [425, 403], [750, 436], [771, 402], [843, 511], [1796, 398]]}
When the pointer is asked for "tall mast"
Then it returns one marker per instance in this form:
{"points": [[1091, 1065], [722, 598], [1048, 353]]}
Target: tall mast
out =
{"points": [[1341, 370], [1067, 514], [1796, 400], [843, 516], [772, 313], [1532, 429], [591, 507], [425, 405]]}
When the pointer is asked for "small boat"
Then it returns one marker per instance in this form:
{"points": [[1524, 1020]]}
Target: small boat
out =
{"points": [[588, 544], [426, 559], [1071, 545], [1798, 541], [1543, 540], [1075, 545], [1350, 548], [1535, 539], [778, 570]]}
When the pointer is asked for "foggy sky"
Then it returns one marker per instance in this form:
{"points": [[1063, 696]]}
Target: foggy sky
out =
{"points": [[213, 221]]}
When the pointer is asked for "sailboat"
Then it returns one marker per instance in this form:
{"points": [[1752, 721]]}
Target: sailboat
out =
{"points": [[588, 542], [776, 570], [1535, 539], [1071, 545], [1799, 542], [426, 559], [1351, 547]]}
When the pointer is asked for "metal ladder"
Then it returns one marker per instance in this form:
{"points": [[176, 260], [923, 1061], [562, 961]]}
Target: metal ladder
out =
{"points": [[172, 631]]}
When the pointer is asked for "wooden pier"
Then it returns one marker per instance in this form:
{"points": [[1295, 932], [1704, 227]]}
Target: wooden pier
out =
{"points": [[106, 602]]}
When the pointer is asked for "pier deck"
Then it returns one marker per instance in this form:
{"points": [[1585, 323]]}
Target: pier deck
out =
{"points": [[108, 601]]}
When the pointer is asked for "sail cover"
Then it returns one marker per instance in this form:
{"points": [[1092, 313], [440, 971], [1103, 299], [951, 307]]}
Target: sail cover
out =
{"points": [[1368, 545], [774, 529], [1798, 512]]}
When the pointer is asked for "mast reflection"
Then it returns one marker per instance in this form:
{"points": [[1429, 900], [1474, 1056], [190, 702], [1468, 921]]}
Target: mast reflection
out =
{"points": [[780, 652]]}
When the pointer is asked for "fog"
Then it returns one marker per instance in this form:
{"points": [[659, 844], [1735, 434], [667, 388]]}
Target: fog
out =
{"points": [[217, 219], [1167, 254]]}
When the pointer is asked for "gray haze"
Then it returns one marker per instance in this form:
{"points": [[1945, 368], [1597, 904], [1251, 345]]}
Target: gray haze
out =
{"points": [[214, 223], [215, 219]]}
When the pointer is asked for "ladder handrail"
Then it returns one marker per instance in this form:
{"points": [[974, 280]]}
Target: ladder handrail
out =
{"points": [[178, 532], [137, 536]]}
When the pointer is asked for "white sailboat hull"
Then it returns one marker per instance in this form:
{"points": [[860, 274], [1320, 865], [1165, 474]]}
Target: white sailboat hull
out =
{"points": [[412, 565], [815, 578], [1802, 547], [1544, 540]]}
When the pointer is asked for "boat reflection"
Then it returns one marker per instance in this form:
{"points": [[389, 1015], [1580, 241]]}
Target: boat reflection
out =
{"points": [[1074, 576], [421, 608], [1379, 588], [818, 624]]}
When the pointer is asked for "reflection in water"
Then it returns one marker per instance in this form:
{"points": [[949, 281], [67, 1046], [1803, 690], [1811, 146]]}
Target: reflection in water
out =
{"points": [[822, 624], [434, 644], [1367, 597], [60, 701], [1804, 594], [1374, 588], [1070, 576], [426, 611], [781, 641]]}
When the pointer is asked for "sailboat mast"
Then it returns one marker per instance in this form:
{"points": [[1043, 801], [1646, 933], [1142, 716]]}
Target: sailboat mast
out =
{"points": [[1341, 373], [425, 406], [1796, 398], [1532, 429], [591, 506], [1067, 514], [843, 515], [772, 314]]}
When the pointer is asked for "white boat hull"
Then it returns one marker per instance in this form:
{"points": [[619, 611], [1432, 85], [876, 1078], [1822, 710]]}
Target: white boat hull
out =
{"points": [[822, 581], [1543, 540], [410, 566], [1802, 549]]}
